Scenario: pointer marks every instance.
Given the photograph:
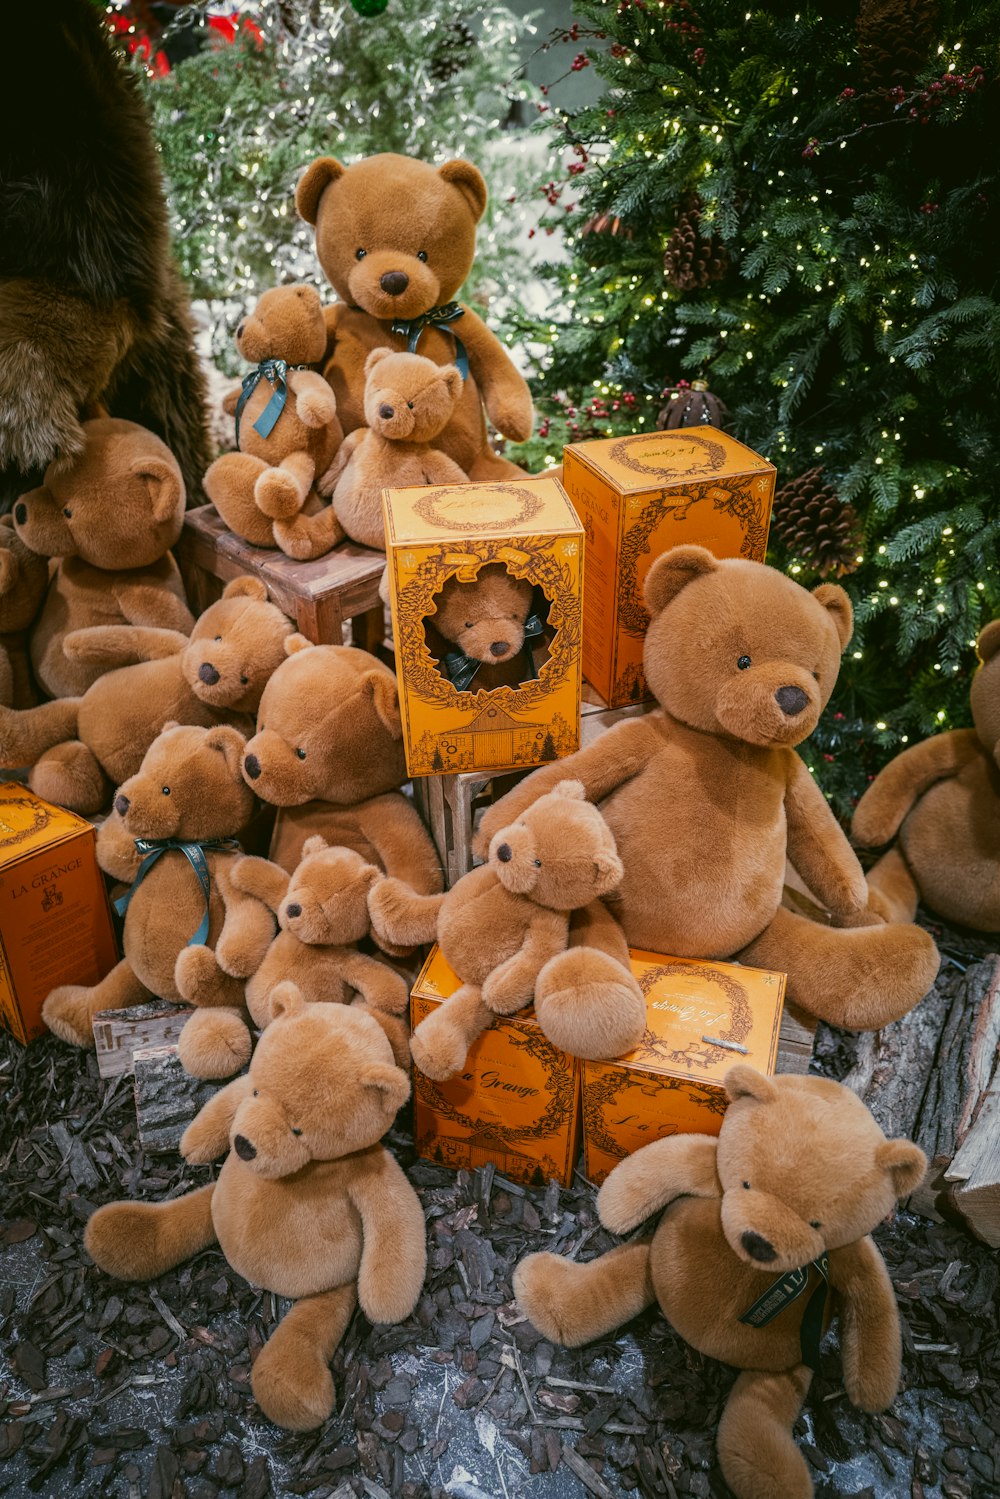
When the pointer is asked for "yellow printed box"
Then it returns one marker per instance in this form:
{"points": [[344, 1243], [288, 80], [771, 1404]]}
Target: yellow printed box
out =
{"points": [[671, 1084], [638, 497], [515, 1104], [432, 535], [55, 926]]}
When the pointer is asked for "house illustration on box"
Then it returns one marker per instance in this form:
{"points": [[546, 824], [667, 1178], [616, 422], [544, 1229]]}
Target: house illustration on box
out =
{"points": [[494, 738]]}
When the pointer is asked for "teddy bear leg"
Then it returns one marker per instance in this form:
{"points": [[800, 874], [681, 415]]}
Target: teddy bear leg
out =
{"points": [[281, 491], [892, 890], [69, 1010], [141, 1240], [306, 537], [586, 999], [572, 1304], [229, 484], [214, 1042], [858, 978], [757, 1452], [71, 776], [27, 734], [291, 1378], [440, 1043]]}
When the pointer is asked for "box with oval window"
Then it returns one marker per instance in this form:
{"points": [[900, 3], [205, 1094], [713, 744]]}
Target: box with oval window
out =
{"points": [[485, 584]]}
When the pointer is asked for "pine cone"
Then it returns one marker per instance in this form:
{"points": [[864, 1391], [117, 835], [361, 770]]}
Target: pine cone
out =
{"points": [[894, 40], [692, 406], [812, 524], [452, 51], [691, 262]]}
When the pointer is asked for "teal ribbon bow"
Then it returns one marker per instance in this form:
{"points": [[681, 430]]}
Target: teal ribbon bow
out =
{"points": [[788, 1288], [462, 668], [152, 848], [438, 317], [275, 372]]}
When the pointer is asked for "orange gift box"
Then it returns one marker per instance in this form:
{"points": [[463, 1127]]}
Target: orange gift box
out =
{"points": [[671, 1084], [638, 497], [515, 1104], [55, 926], [433, 534]]}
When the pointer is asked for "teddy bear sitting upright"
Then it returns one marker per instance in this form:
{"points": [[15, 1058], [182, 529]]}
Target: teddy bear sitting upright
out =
{"points": [[707, 799], [396, 238], [765, 1231], [485, 632]]}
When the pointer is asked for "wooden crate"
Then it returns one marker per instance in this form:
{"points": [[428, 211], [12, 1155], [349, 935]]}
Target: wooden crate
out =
{"points": [[320, 596], [119, 1034]]}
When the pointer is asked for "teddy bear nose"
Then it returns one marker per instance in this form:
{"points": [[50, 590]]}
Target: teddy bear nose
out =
{"points": [[208, 673], [20, 512], [385, 412], [758, 1248], [293, 910], [252, 766], [791, 700], [122, 804], [505, 853], [499, 648], [394, 282], [243, 1148]]}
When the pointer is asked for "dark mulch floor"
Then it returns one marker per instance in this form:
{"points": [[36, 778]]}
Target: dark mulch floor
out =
{"points": [[143, 1391]]}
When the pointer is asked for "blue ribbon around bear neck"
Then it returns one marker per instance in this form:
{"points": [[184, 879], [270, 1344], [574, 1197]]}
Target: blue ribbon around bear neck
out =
{"points": [[788, 1288], [462, 668], [275, 372], [438, 317], [152, 848]]}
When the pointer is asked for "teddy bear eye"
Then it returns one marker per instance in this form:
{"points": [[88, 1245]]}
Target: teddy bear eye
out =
{"points": [[743, 663], [410, 405], [244, 680], [296, 1131], [815, 1223], [468, 624], [255, 1093], [165, 790], [301, 753], [422, 255], [67, 512], [538, 863], [218, 637], [360, 254], [746, 1186]]}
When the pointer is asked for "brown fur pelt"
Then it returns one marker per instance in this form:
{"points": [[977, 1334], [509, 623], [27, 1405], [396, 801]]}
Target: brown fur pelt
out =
{"points": [[92, 309]]}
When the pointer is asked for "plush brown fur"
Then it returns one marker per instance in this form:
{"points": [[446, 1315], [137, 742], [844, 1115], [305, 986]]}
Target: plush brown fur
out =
{"points": [[24, 578], [79, 747], [502, 923], [940, 801], [189, 787], [485, 620], [706, 799], [270, 480], [800, 1167], [307, 1204], [416, 228]]}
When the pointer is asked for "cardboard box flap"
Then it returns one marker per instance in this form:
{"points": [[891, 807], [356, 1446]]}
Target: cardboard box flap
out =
{"points": [[438, 980], [464, 511], [655, 460], [27, 823]]}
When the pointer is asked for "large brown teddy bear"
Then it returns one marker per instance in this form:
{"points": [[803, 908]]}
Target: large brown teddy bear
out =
{"points": [[396, 238], [707, 799], [308, 1204], [24, 578], [286, 421], [797, 1179], [79, 748], [500, 925], [180, 943], [940, 800], [111, 516], [329, 753]]}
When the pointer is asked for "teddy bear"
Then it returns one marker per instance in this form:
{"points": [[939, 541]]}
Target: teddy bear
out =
{"points": [[501, 923], [707, 799], [486, 632], [940, 801], [307, 1205], [190, 935], [24, 577], [287, 429], [79, 747], [764, 1233], [111, 517], [396, 239]]}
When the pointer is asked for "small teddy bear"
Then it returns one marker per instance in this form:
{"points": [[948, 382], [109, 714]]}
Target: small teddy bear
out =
{"points": [[503, 921], [190, 935], [490, 635], [24, 578], [940, 800], [307, 1203], [764, 1234], [287, 429]]}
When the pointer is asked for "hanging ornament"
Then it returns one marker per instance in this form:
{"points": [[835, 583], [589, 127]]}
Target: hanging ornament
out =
{"points": [[692, 405], [894, 40], [452, 51], [812, 524], [691, 262], [369, 7]]}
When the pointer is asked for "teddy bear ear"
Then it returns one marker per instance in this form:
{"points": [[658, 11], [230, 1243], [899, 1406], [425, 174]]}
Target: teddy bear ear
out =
{"points": [[317, 844], [573, 791], [674, 571], [388, 1080], [838, 606], [469, 181], [609, 872], [230, 744], [988, 643], [453, 382], [246, 588], [905, 1163], [164, 483], [171, 723], [742, 1081], [295, 643], [286, 999], [385, 697], [313, 184], [375, 357]]}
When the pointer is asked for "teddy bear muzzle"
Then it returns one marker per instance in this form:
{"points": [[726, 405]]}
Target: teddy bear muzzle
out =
{"points": [[763, 1230], [777, 703], [265, 1139], [40, 521]]}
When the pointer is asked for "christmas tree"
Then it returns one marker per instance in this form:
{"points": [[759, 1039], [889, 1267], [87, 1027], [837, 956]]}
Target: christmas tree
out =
{"points": [[797, 207]]}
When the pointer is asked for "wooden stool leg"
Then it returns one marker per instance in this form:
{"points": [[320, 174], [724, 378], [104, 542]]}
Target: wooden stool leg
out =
{"points": [[368, 630]]}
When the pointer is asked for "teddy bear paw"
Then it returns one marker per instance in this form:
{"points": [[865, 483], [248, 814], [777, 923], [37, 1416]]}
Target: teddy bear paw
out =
{"points": [[588, 1005], [68, 1015], [543, 1292], [439, 1051], [292, 1384], [123, 1239], [278, 494], [214, 1043]]}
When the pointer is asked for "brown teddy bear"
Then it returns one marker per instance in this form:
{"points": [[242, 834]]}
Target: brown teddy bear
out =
{"points": [[287, 430], [79, 747], [940, 800], [329, 753], [307, 1204], [396, 238], [111, 516], [190, 935], [502, 922], [24, 578], [707, 799], [485, 632], [780, 1204]]}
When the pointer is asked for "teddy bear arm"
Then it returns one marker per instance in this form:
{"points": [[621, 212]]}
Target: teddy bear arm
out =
{"points": [[146, 604], [818, 848], [404, 847], [440, 469], [113, 646], [315, 403], [870, 1341], [231, 400], [399, 917], [896, 788], [260, 878], [381, 987], [511, 985], [247, 929], [394, 1245], [646, 1182], [326, 482], [505, 392], [116, 851], [207, 1136]]}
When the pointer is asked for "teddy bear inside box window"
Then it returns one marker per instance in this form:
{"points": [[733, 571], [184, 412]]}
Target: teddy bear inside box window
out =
{"points": [[489, 630]]}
